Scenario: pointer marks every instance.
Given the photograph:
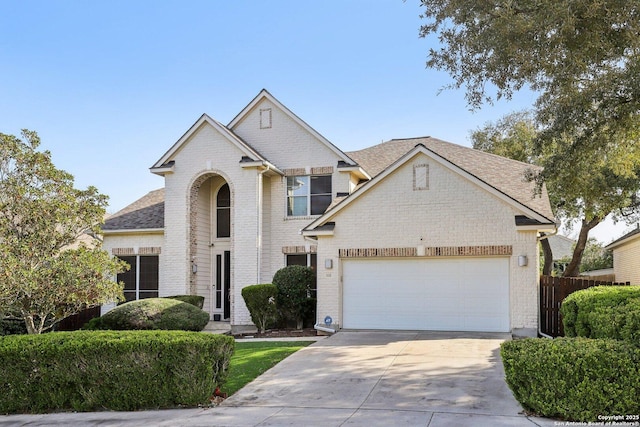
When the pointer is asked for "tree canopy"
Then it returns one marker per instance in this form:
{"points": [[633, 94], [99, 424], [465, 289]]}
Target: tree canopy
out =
{"points": [[582, 59], [580, 56], [585, 193], [44, 275]]}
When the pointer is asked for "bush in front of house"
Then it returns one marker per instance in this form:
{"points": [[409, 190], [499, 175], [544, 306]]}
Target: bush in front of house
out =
{"points": [[261, 303], [195, 300], [603, 312], [573, 378], [12, 326], [153, 313], [121, 371], [294, 297]]}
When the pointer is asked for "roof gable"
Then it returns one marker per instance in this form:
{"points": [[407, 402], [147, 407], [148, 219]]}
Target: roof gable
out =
{"points": [[245, 148], [265, 95], [505, 175], [420, 148]]}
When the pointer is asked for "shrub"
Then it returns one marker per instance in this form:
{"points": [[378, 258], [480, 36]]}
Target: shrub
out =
{"points": [[124, 371], [154, 313], [195, 300], [573, 378], [11, 326], [261, 303], [603, 312], [295, 284]]}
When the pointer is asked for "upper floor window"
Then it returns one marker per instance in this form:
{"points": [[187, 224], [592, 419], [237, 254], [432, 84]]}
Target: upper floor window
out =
{"points": [[223, 212], [308, 194]]}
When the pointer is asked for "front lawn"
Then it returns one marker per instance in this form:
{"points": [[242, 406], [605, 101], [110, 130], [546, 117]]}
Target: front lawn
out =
{"points": [[252, 359]]}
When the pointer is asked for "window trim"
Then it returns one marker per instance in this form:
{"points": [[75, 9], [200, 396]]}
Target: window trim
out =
{"points": [[214, 213], [308, 195], [138, 269]]}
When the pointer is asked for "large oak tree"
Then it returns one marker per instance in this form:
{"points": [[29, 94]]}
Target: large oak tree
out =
{"points": [[44, 275], [582, 59]]}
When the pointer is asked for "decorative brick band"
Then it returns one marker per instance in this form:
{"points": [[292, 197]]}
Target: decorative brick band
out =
{"points": [[295, 171], [152, 250], [299, 250], [324, 170], [434, 251]]}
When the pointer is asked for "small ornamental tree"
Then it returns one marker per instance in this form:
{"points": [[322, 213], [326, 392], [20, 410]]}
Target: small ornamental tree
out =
{"points": [[261, 303], [44, 276], [295, 285]]}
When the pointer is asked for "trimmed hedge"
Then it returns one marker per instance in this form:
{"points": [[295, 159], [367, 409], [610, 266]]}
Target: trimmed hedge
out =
{"points": [[195, 300], [603, 312], [261, 303], [153, 313], [122, 371], [574, 378], [294, 299]]}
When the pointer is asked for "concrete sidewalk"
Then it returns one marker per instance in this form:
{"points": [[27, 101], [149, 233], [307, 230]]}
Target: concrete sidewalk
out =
{"points": [[350, 379]]}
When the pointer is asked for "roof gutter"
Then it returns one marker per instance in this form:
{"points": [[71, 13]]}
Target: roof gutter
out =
{"points": [[133, 231], [547, 235]]}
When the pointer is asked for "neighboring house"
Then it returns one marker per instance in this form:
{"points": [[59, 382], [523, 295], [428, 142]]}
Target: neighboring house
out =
{"points": [[413, 233], [626, 257], [562, 249]]}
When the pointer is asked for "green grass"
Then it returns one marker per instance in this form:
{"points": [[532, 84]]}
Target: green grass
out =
{"points": [[252, 359]]}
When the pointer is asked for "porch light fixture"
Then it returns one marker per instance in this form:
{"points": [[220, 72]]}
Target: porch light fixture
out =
{"points": [[522, 261], [328, 263]]}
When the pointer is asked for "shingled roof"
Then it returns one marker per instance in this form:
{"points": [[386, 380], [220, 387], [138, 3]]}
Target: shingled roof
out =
{"points": [[505, 175], [145, 213]]}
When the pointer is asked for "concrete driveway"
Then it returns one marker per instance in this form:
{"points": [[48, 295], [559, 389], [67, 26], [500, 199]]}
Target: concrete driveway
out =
{"points": [[350, 379], [384, 378]]}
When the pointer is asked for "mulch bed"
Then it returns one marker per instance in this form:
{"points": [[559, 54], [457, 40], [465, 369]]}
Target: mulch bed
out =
{"points": [[279, 333]]}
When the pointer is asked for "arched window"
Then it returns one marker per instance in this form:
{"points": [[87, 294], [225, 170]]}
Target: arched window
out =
{"points": [[223, 212]]}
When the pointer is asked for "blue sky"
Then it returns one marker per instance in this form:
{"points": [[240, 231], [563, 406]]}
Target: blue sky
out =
{"points": [[110, 86]]}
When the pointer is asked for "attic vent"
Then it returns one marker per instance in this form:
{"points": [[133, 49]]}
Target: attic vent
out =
{"points": [[421, 177], [265, 118]]}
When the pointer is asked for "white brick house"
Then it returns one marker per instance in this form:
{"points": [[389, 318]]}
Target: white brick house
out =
{"points": [[408, 234]]}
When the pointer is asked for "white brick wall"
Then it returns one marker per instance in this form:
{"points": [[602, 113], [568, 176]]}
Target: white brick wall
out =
{"points": [[135, 241], [208, 152], [287, 145], [626, 262], [453, 212]]}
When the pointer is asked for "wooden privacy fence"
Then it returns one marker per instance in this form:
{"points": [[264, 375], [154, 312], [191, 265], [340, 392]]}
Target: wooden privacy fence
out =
{"points": [[555, 289], [77, 321]]}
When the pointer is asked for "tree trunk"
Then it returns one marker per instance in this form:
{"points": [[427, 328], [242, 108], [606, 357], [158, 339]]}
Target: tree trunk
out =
{"points": [[31, 326], [573, 269], [548, 257]]}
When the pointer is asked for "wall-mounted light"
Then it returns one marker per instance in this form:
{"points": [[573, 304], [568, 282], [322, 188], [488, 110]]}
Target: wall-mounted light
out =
{"points": [[523, 261], [194, 268], [328, 263]]}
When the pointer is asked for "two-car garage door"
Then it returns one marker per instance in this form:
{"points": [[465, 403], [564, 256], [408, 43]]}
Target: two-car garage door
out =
{"points": [[448, 294]]}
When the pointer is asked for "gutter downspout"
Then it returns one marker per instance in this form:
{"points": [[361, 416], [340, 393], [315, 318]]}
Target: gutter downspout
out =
{"points": [[259, 223], [546, 236], [323, 329]]}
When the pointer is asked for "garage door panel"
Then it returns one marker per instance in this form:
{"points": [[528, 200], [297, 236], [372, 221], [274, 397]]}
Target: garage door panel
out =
{"points": [[462, 294]]}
